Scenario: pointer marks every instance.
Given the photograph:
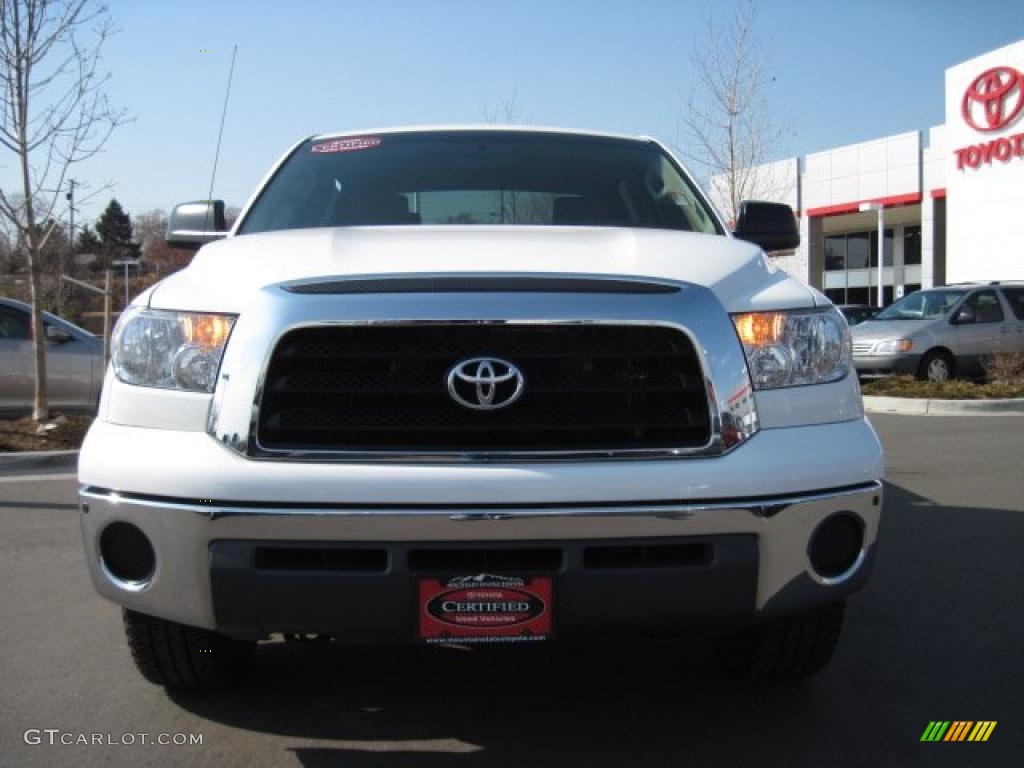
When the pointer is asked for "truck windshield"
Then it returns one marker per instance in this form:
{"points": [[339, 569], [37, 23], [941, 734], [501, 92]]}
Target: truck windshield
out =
{"points": [[921, 305], [478, 177]]}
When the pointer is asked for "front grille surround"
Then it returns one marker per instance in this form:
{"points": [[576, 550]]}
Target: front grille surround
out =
{"points": [[690, 413], [233, 418]]}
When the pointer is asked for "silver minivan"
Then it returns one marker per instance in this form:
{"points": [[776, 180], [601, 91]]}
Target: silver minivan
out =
{"points": [[939, 333]]}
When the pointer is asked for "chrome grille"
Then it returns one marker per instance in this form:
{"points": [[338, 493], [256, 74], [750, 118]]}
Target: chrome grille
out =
{"points": [[383, 388]]}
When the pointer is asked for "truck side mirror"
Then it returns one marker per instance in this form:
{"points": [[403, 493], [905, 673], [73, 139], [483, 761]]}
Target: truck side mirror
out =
{"points": [[769, 225], [192, 225]]}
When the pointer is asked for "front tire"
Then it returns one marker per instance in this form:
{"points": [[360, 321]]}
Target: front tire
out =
{"points": [[177, 656], [778, 650], [936, 366]]}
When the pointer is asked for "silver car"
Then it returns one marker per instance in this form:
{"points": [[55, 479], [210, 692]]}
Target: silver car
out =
{"points": [[939, 333], [74, 361]]}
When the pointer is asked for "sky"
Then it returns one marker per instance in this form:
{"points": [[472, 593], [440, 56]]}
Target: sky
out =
{"points": [[844, 72]]}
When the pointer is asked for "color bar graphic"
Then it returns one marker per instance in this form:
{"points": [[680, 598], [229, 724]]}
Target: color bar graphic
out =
{"points": [[958, 730], [935, 730]]}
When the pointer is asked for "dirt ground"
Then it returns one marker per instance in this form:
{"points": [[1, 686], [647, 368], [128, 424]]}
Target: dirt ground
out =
{"points": [[23, 434]]}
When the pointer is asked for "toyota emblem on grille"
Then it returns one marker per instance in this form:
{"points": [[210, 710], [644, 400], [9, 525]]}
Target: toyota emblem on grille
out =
{"points": [[485, 383]]}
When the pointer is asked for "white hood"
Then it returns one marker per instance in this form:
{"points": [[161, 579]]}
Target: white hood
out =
{"points": [[226, 275]]}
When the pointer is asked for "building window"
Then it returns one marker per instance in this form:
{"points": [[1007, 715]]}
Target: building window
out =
{"points": [[858, 296], [858, 248], [850, 263], [888, 248], [912, 245], [835, 252]]}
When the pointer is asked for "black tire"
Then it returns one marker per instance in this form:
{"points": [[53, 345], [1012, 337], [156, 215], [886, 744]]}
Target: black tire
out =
{"points": [[784, 649], [176, 656], [933, 362]]}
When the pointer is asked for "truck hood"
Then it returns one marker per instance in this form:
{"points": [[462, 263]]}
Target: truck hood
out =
{"points": [[225, 276]]}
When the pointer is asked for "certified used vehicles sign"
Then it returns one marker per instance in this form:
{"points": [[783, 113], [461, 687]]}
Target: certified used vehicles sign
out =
{"points": [[485, 609]]}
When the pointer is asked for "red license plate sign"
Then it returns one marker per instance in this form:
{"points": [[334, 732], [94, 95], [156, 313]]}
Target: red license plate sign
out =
{"points": [[485, 609]]}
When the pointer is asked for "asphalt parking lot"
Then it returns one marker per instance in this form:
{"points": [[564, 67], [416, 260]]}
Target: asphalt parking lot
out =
{"points": [[935, 636]]}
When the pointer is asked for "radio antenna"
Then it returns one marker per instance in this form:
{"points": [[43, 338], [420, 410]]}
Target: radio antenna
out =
{"points": [[220, 133]]}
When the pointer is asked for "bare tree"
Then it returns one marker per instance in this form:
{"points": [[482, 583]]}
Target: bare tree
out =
{"points": [[507, 110], [53, 113], [150, 228], [728, 116], [150, 232], [8, 257]]}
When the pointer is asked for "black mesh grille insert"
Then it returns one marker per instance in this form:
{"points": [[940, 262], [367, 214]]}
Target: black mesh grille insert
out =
{"points": [[472, 560], [383, 388], [647, 556], [314, 558]]}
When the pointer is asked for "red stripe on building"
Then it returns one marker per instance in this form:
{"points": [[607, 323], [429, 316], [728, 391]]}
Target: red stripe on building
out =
{"points": [[889, 202], [833, 210], [939, 194]]}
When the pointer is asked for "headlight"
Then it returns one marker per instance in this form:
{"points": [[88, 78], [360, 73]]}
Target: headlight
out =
{"points": [[786, 349], [892, 346], [173, 350]]}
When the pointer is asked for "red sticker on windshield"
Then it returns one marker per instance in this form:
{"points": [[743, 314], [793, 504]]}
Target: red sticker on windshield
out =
{"points": [[346, 145]]}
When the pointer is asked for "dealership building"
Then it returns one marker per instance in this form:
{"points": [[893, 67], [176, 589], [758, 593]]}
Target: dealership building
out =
{"points": [[948, 202]]}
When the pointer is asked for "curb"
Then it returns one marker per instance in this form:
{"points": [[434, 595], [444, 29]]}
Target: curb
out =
{"points": [[918, 406], [38, 461]]}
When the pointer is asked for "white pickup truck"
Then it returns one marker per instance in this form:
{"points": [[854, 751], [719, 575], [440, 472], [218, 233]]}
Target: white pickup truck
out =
{"points": [[479, 385]]}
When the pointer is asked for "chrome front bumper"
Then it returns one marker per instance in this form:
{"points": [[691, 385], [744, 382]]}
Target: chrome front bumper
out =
{"points": [[183, 533]]}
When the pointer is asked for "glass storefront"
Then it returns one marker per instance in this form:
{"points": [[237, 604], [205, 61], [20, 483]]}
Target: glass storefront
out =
{"points": [[851, 264], [911, 245]]}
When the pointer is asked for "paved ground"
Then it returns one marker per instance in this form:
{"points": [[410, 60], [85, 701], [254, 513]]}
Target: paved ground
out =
{"points": [[937, 635]]}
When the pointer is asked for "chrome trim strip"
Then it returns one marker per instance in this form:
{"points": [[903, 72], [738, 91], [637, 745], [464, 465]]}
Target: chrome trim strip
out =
{"points": [[833, 581], [128, 586], [670, 510], [693, 311]]}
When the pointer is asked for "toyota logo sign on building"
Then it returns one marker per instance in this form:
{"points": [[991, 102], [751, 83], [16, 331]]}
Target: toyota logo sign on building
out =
{"points": [[994, 100]]}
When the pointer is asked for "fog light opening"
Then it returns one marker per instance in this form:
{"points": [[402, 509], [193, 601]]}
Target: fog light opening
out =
{"points": [[126, 555], [836, 549]]}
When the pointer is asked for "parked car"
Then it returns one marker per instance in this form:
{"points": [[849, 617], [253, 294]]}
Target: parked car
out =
{"points": [[480, 386], [939, 333], [74, 361], [856, 314]]}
